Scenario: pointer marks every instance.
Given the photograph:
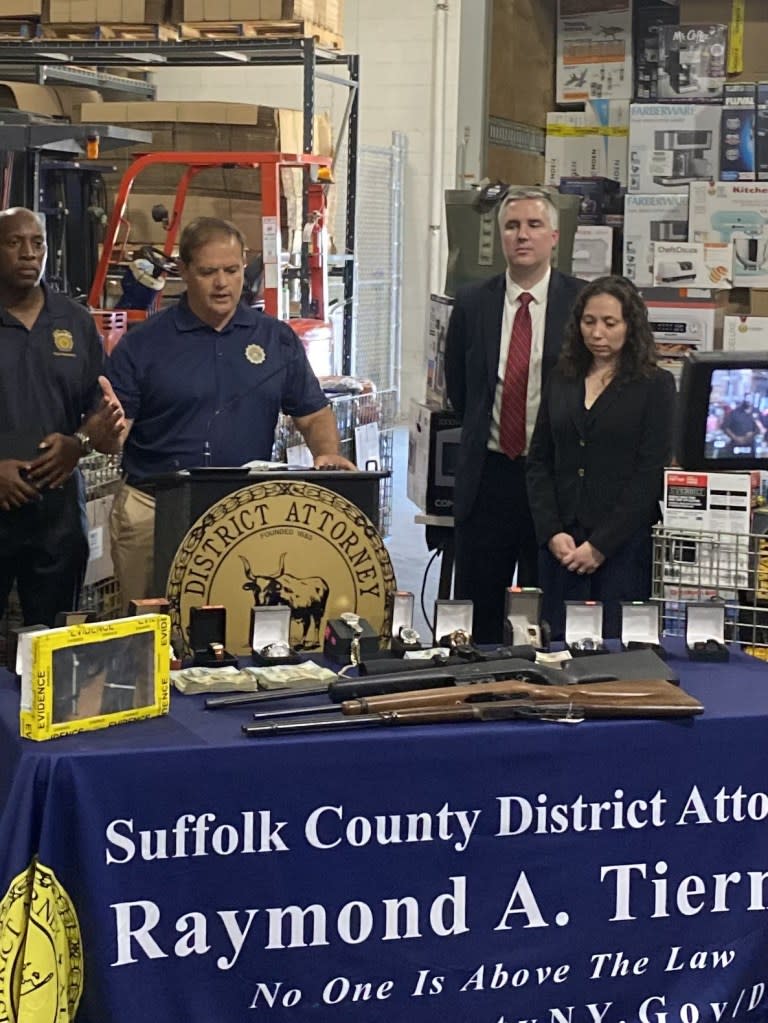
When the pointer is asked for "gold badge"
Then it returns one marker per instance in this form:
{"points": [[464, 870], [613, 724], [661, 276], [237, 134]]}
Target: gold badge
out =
{"points": [[40, 948], [284, 543], [64, 341], [255, 354]]}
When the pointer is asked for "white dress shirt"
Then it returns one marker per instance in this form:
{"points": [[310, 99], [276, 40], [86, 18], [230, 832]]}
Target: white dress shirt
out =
{"points": [[538, 310]]}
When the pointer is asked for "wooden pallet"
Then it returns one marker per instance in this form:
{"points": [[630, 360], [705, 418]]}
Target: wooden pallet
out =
{"points": [[260, 30], [17, 28], [82, 32]]}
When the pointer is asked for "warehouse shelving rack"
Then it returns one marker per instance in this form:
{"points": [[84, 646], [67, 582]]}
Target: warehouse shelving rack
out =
{"points": [[68, 61]]}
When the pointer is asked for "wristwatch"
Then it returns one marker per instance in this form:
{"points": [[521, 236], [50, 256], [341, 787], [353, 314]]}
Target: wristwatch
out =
{"points": [[85, 442]]}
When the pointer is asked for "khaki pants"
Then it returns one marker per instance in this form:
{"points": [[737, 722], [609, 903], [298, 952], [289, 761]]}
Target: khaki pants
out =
{"points": [[132, 532]]}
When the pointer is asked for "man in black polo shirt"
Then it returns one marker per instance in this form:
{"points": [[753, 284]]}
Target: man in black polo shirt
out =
{"points": [[202, 383], [50, 365]]}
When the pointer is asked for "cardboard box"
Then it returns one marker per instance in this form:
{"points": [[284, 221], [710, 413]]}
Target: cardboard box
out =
{"points": [[708, 505], [649, 219], [692, 59], [440, 308], [570, 150], [672, 144], [61, 696], [761, 132], [246, 213], [589, 143], [35, 99], [758, 302], [100, 554], [737, 132], [330, 14], [594, 50], [21, 8], [681, 326], [597, 196], [755, 31], [745, 334], [648, 21], [592, 252], [738, 213], [230, 10], [693, 265], [104, 12], [149, 111], [433, 445]]}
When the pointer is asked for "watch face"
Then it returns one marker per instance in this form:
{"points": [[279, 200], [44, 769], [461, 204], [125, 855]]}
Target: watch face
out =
{"points": [[277, 649], [459, 637], [409, 636], [352, 620]]}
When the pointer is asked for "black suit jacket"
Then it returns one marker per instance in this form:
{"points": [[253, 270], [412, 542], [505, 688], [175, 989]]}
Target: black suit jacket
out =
{"points": [[472, 362], [601, 468]]}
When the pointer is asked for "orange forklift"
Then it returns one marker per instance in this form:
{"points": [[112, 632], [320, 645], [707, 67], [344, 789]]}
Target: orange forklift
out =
{"points": [[140, 299]]}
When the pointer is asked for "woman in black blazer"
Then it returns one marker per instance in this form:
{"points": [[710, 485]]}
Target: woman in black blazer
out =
{"points": [[596, 463]]}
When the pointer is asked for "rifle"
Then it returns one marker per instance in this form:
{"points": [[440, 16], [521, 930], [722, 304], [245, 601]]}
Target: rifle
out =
{"points": [[344, 688], [500, 701]]}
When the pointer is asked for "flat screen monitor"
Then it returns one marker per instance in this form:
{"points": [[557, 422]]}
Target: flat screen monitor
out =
{"points": [[723, 415]]}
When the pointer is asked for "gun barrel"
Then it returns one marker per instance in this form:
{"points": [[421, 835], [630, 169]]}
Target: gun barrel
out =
{"points": [[261, 696]]}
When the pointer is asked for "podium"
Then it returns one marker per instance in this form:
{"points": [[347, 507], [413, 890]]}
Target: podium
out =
{"points": [[182, 497]]}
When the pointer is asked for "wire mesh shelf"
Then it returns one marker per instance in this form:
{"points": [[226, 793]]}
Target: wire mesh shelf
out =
{"points": [[351, 411], [696, 566]]}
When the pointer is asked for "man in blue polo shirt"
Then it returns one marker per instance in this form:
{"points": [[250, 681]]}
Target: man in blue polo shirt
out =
{"points": [[55, 407], [203, 383]]}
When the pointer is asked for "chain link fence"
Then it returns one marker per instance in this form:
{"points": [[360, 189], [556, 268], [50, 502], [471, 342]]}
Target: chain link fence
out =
{"points": [[378, 257]]}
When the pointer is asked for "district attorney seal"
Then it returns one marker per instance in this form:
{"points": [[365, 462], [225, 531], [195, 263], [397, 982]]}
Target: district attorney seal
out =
{"points": [[41, 960], [283, 542]]}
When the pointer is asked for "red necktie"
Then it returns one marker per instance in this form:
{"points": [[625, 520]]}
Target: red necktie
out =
{"points": [[515, 390]]}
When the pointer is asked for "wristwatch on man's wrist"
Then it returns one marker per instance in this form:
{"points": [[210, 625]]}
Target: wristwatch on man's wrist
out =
{"points": [[85, 442]]}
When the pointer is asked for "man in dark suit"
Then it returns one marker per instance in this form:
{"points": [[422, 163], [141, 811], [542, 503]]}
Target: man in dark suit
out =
{"points": [[503, 339]]}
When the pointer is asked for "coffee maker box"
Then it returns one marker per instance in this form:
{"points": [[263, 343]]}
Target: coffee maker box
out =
{"points": [[692, 63], [648, 22], [433, 446], [734, 212], [649, 219], [761, 132], [672, 144], [737, 132], [594, 50]]}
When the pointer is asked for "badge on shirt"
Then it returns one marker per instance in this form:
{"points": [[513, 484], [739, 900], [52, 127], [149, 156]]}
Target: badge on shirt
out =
{"points": [[63, 341], [255, 354]]}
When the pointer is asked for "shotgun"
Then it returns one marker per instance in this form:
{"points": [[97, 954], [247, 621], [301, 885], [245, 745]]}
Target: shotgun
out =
{"points": [[653, 698]]}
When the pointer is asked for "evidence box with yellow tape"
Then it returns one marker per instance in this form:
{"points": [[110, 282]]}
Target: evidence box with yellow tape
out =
{"points": [[85, 677]]}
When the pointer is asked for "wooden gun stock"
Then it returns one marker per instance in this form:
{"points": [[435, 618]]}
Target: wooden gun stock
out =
{"points": [[649, 698]]}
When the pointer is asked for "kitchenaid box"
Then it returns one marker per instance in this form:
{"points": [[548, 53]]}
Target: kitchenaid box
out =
{"points": [[734, 212], [672, 144]]}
